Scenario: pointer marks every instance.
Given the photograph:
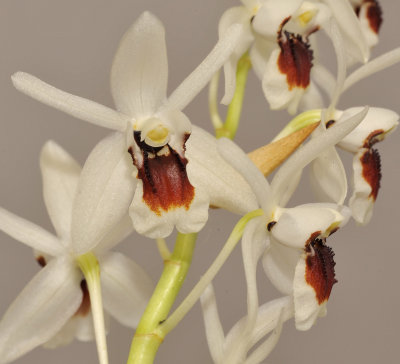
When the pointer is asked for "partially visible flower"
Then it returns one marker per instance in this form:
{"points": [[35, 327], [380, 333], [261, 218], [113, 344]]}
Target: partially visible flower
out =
{"points": [[168, 190], [55, 306], [296, 259], [377, 124], [277, 35]]}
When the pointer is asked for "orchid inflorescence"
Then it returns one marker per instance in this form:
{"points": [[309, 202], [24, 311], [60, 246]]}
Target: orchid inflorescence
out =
{"points": [[157, 172]]}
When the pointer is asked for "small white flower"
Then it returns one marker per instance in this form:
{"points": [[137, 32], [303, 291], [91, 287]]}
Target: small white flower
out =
{"points": [[55, 305], [173, 186], [296, 258], [276, 33]]}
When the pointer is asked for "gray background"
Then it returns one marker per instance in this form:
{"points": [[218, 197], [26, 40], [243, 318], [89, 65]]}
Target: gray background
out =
{"points": [[70, 44]]}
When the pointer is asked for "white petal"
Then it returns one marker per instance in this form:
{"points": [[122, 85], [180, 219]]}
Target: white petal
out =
{"points": [[276, 89], [370, 35], [160, 225], [328, 177], [60, 174], [214, 330], [117, 234], [64, 336], [199, 78], [279, 263], [363, 199], [311, 150], [307, 308], [226, 187], [312, 98], [29, 233], [126, 288], [73, 105], [378, 64], [270, 16], [260, 53], [242, 16], [349, 24], [295, 226], [41, 309], [104, 193], [139, 72], [241, 162], [378, 123]]}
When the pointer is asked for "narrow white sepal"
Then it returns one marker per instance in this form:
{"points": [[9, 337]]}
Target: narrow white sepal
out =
{"points": [[126, 288], [60, 175], [241, 162], [139, 72], [213, 327], [29, 233], [76, 106], [199, 78], [311, 150]]}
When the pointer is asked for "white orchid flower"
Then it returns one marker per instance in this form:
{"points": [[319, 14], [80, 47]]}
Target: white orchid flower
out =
{"points": [[377, 124], [55, 306], [276, 33], [296, 258], [174, 185]]}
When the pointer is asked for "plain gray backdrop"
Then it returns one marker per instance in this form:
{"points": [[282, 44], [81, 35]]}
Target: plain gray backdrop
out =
{"points": [[70, 44]]}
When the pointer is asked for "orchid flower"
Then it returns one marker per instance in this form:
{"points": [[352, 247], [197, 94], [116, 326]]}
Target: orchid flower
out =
{"points": [[56, 306], [277, 34], [377, 124], [296, 259], [173, 185]]}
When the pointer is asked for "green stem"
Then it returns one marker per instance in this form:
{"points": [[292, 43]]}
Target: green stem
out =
{"points": [[91, 270], [231, 125], [206, 279], [148, 337]]}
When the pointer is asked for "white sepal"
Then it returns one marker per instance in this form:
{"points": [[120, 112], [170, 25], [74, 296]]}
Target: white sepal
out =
{"points": [[200, 77], [241, 162], [139, 72], [60, 176], [41, 309], [29, 233], [271, 15], [295, 226], [378, 120], [104, 193], [307, 308], [126, 288], [226, 187], [279, 263], [73, 105], [240, 15], [328, 177]]}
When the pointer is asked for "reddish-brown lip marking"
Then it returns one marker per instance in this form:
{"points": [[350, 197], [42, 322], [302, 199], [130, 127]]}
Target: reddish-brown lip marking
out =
{"points": [[41, 261], [295, 59], [329, 123], [320, 269], [84, 308], [373, 138], [374, 14], [371, 170], [163, 172]]}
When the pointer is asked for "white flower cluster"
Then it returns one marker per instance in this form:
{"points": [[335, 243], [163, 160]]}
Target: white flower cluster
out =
{"points": [[157, 172]]}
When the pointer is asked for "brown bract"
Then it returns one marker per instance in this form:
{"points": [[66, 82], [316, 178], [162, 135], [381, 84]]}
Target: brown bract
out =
{"points": [[165, 182], [320, 268], [371, 170], [272, 155]]}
